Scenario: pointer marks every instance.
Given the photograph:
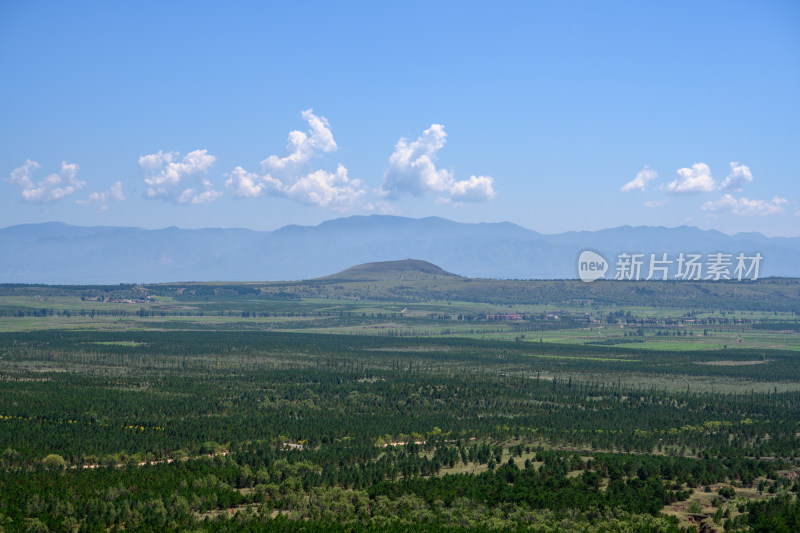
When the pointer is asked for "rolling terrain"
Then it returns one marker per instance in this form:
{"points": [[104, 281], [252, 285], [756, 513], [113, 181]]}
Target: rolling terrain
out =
{"points": [[396, 396]]}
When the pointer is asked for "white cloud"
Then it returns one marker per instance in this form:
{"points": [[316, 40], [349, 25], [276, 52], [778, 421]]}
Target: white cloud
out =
{"points": [[303, 146], [246, 184], [639, 183], [293, 177], [193, 196], [49, 189], [475, 189], [740, 174], [746, 206], [412, 170], [692, 180], [325, 189], [171, 178], [103, 198]]}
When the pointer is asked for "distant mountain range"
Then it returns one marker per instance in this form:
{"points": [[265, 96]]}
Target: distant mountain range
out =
{"points": [[57, 253]]}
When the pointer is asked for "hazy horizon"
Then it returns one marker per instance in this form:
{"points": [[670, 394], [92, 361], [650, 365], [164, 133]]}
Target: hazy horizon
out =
{"points": [[311, 225]]}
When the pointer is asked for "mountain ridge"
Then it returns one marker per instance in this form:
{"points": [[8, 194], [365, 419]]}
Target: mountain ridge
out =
{"points": [[55, 252], [327, 222]]}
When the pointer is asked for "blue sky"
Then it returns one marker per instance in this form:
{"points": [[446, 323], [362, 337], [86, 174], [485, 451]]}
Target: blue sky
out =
{"points": [[554, 115]]}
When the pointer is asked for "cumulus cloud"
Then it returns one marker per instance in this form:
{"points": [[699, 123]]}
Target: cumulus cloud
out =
{"points": [[412, 170], [746, 206], [171, 178], [199, 195], [103, 198], [740, 174], [325, 189], [246, 184], [692, 180], [639, 183], [698, 179], [49, 189], [303, 146], [293, 177], [475, 189]]}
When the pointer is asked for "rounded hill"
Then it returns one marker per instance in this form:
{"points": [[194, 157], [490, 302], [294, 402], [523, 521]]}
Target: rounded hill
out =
{"points": [[406, 269]]}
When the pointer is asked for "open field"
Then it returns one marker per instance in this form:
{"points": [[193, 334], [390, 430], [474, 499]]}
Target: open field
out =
{"points": [[210, 406]]}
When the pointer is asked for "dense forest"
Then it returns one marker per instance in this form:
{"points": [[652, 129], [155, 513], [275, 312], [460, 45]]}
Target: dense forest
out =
{"points": [[307, 415]]}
